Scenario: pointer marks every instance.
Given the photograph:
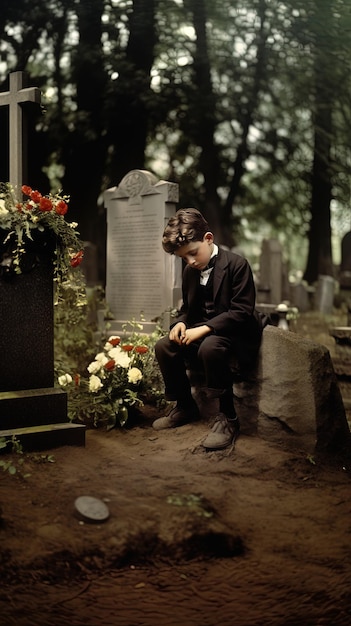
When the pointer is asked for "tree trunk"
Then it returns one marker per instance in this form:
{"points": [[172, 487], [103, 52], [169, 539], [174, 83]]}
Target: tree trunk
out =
{"points": [[243, 151], [86, 147], [128, 127], [204, 104], [320, 251], [84, 152]]}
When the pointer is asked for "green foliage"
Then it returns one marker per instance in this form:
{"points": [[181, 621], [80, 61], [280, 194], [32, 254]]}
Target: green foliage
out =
{"points": [[195, 502], [105, 377], [10, 465], [21, 223], [75, 326], [16, 462]]}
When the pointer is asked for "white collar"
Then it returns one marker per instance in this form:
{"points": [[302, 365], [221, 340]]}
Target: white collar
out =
{"points": [[214, 253]]}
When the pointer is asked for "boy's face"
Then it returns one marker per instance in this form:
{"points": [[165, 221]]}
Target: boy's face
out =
{"points": [[197, 253]]}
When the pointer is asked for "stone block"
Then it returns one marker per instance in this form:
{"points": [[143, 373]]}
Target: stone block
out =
{"points": [[296, 389], [32, 407], [293, 396]]}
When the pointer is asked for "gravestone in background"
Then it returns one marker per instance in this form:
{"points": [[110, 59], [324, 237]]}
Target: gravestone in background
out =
{"points": [[345, 265], [141, 279], [270, 288]]}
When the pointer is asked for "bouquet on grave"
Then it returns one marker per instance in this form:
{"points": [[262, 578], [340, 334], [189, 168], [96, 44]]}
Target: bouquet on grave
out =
{"points": [[35, 224], [120, 379]]}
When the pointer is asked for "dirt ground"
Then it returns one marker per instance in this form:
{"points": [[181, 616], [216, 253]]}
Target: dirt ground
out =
{"points": [[259, 534]]}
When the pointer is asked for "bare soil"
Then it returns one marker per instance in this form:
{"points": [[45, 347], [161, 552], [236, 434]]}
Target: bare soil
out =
{"points": [[259, 534]]}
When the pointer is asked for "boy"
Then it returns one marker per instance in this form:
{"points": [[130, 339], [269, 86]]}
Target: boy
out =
{"points": [[217, 321]]}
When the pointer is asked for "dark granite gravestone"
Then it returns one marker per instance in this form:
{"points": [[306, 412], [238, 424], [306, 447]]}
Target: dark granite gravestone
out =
{"points": [[31, 408]]}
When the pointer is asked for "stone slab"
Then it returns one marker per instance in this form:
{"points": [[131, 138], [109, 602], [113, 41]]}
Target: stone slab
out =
{"points": [[32, 407], [47, 436], [141, 279]]}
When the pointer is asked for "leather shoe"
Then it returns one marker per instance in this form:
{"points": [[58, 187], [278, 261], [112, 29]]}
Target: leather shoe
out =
{"points": [[176, 417], [224, 432]]}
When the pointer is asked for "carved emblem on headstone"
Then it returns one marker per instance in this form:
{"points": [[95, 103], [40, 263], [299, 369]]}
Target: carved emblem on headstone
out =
{"points": [[136, 184]]}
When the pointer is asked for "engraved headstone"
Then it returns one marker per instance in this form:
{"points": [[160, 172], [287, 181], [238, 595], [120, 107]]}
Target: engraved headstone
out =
{"points": [[142, 281]]}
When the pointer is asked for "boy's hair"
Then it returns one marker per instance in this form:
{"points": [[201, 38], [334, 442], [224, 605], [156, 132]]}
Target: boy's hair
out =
{"points": [[185, 226]]}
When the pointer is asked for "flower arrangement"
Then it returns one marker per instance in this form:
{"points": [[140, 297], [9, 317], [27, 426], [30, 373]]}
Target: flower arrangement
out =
{"points": [[116, 373], [22, 221], [120, 378]]}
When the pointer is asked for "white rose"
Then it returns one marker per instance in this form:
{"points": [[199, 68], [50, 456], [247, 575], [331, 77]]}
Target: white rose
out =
{"points": [[134, 375], [3, 209], [114, 351], [94, 383], [120, 357], [94, 367], [101, 357], [64, 380]]}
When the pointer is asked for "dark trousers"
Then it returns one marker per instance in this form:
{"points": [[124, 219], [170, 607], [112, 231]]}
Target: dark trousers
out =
{"points": [[212, 354]]}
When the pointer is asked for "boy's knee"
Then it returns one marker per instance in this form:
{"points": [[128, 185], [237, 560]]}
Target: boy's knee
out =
{"points": [[161, 344], [210, 347]]}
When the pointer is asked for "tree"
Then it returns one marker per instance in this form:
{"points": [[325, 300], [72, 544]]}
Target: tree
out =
{"points": [[325, 95], [245, 104], [202, 113], [248, 118], [84, 149], [128, 104]]}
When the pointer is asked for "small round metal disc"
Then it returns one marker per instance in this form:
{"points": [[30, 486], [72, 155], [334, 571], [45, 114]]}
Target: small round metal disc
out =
{"points": [[91, 509]]}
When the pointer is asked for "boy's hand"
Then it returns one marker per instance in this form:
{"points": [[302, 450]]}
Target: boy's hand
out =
{"points": [[177, 333], [193, 334]]}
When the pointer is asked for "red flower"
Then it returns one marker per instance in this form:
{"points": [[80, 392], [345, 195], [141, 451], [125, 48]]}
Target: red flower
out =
{"points": [[77, 380], [61, 207], [115, 341], [26, 190], [110, 365], [141, 349], [127, 347], [19, 207], [45, 204], [77, 259], [35, 196]]}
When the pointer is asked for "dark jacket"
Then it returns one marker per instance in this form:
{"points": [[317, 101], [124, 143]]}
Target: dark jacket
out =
{"points": [[234, 296]]}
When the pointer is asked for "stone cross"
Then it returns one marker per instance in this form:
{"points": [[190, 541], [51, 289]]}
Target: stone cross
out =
{"points": [[32, 409], [19, 94]]}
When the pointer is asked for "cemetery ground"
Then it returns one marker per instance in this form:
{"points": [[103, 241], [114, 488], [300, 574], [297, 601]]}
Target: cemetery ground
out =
{"points": [[254, 535]]}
